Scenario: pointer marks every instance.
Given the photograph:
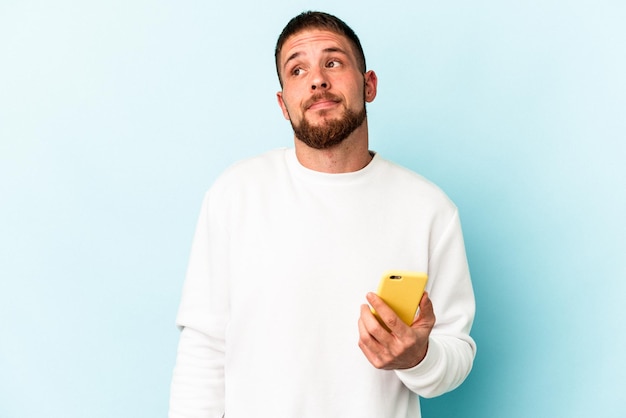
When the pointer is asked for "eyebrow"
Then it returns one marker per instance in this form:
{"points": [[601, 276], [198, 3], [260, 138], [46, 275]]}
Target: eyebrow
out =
{"points": [[328, 50]]}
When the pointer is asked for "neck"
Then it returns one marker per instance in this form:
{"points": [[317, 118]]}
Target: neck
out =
{"points": [[352, 154]]}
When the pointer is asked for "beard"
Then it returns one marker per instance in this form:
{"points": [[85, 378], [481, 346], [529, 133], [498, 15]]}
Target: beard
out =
{"points": [[330, 132]]}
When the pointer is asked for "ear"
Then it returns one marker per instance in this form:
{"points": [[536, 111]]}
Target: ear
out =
{"points": [[371, 86], [282, 105]]}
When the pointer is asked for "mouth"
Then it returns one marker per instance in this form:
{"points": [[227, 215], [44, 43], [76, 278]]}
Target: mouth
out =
{"points": [[326, 101]]}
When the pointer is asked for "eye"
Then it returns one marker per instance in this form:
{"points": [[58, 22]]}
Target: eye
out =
{"points": [[297, 71], [333, 64]]}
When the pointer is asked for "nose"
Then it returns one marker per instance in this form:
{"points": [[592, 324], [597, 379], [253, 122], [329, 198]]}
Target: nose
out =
{"points": [[322, 85], [319, 81]]}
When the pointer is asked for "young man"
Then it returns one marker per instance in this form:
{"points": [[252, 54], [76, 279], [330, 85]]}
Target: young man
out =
{"points": [[289, 243]]}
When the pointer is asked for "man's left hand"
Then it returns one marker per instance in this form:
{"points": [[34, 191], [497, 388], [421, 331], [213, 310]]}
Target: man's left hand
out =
{"points": [[402, 348]]}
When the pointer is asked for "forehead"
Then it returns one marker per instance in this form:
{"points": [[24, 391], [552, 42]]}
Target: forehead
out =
{"points": [[314, 40]]}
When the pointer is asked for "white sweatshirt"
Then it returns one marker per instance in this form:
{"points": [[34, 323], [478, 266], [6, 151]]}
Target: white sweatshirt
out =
{"points": [[280, 264]]}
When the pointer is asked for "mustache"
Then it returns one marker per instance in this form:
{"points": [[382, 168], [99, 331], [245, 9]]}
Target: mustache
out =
{"points": [[319, 97]]}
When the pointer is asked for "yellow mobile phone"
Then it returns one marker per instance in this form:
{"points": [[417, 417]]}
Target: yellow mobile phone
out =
{"points": [[402, 290]]}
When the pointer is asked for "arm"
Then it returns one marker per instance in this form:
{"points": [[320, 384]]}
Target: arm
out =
{"points": [[197, 388], [198, 381], [429, 359]]}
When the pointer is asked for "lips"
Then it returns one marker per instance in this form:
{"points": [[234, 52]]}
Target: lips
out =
{"points": [[321, 101]]}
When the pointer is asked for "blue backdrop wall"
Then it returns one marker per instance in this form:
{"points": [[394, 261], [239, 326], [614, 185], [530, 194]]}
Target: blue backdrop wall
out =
{"points": [[116, 116]]}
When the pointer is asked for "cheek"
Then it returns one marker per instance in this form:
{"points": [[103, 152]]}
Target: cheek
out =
{"points": [[285, 112], [289, 111], [355, 91]]}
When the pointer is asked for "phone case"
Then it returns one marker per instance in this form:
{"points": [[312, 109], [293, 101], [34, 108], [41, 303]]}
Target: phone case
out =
{"points": [[402, 290]]}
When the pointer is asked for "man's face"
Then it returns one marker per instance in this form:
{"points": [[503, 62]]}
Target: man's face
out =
{"points": [[324, 92]]}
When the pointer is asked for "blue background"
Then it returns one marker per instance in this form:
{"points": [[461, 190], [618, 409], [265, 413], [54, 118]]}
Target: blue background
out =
{"points": [[116, 116]]}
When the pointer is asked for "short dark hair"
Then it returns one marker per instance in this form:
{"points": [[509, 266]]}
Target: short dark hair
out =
{"points": [[319, 20]]}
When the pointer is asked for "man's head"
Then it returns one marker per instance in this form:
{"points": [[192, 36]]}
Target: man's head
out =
{"points": [[320, 21], [324, 84]]}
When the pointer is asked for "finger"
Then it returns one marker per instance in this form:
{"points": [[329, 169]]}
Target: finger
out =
{"points": [[364, 334], [367, 342], [372, 327], [372, 350], [426, 312], [389, 317], [425, 299]]}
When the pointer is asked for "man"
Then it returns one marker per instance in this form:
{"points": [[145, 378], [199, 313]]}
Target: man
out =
{"points": [[289, 245]]}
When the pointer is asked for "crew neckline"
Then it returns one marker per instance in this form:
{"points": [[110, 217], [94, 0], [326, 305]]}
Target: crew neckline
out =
{"points": [[301, 171]]}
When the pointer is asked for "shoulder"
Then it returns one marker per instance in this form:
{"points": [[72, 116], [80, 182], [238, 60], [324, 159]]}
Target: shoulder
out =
{"points": [[257, 165], [413, 186], [255, 169], [244, 180]]}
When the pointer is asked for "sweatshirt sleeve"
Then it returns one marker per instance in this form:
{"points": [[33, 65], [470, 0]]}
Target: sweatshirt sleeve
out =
{"points": [[451, 350], [197, 388]]}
